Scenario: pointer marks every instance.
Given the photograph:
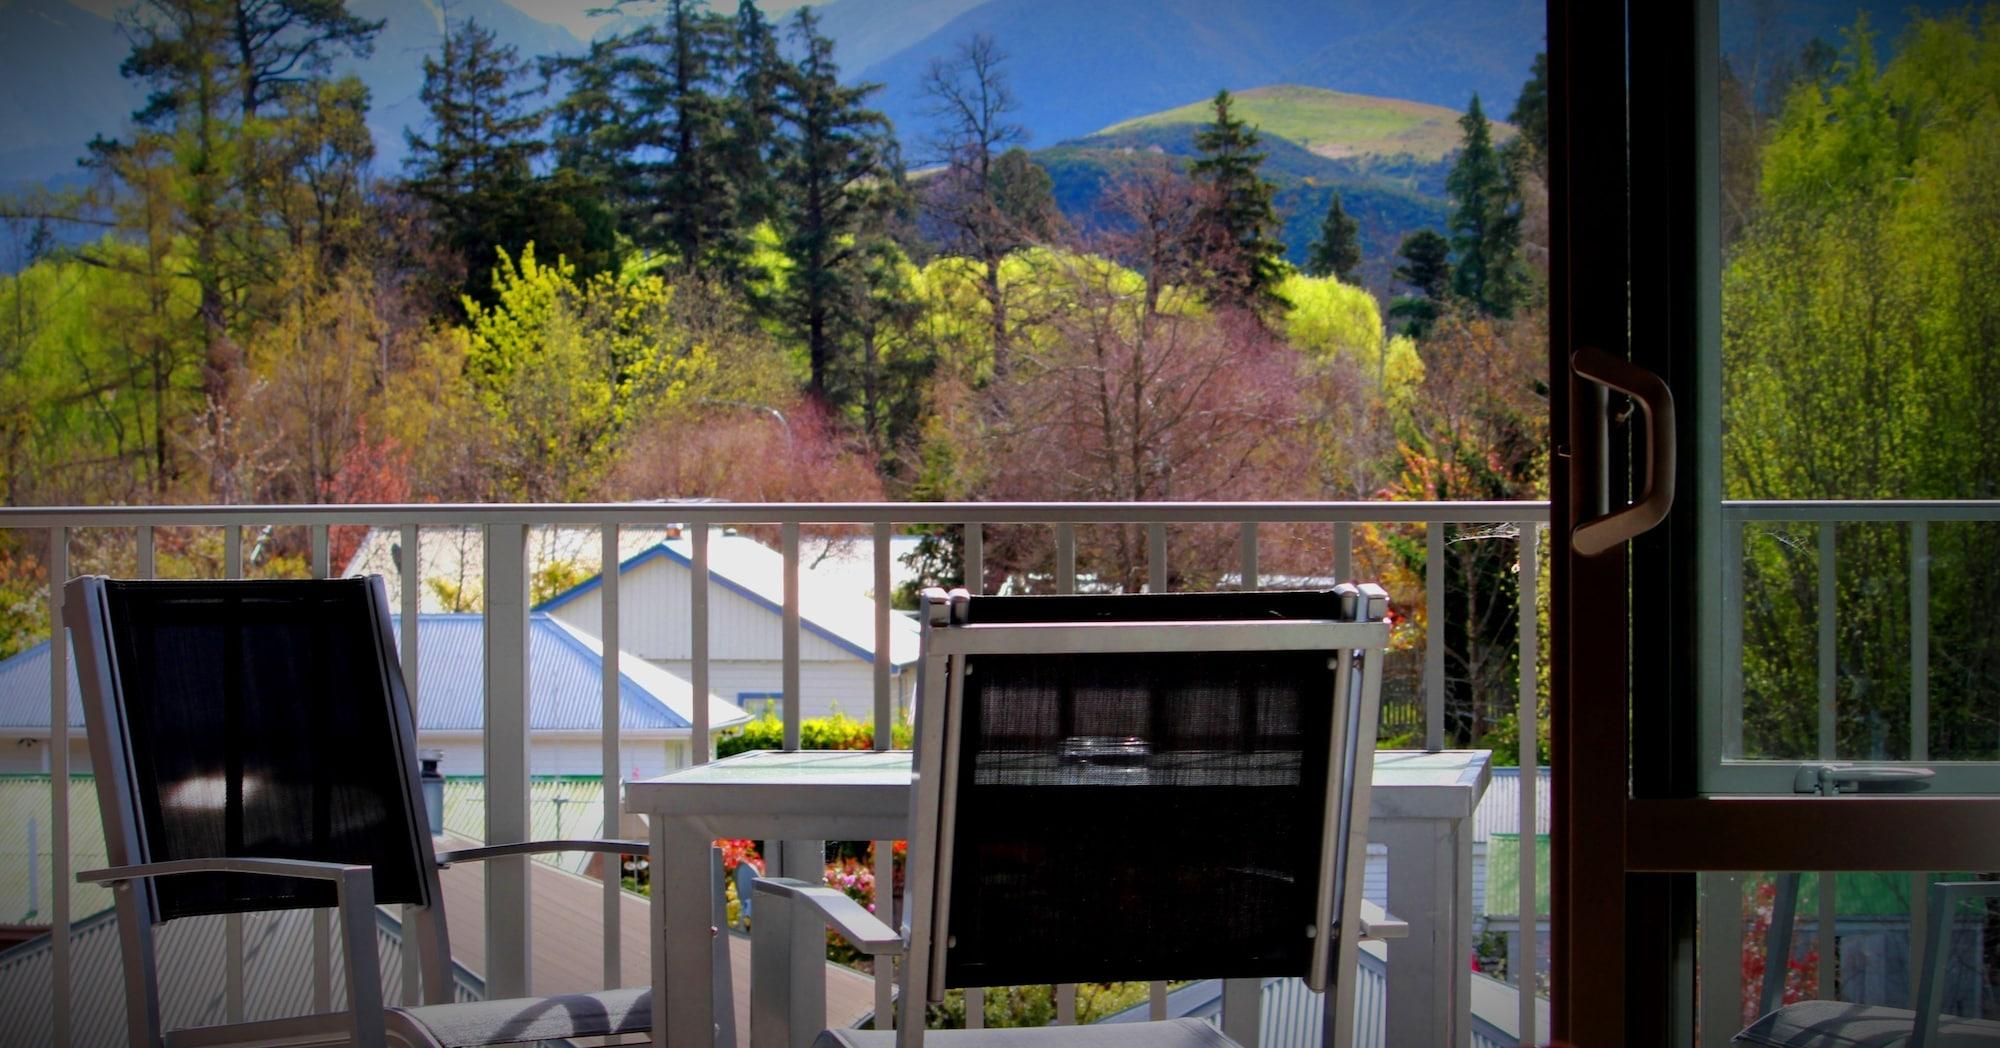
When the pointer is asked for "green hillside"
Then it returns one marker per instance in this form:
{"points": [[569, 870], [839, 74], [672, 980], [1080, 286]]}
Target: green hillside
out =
{"points": [[1386, 157], [1332, 124]]}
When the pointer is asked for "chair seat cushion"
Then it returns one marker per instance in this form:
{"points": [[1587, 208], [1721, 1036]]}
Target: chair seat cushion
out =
{"points": [[1837, 1024], [1174, 1033], [533, 1018]]}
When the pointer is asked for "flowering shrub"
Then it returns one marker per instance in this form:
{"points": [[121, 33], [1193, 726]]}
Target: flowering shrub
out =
{"points": [[1801, 971], [836, 731]]}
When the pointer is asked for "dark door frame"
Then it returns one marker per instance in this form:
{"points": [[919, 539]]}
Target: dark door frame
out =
{"points": [[1587, 307], [1639, 276]]}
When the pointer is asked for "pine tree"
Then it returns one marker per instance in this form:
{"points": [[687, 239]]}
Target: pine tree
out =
{"points": [[477, 158], [839, 179], [694, 208], [1426, 268], [1337, 252], [1485, 221], [1248, 264], [1530, 148], [1024, 196], [754, 111]]}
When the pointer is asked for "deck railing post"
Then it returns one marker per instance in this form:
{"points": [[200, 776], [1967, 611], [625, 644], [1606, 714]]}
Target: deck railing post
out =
{"points": [[58, 743], [508, 945], [232, 925], [1434, 617], [698, 587], [1530, 826], [609, 759]]}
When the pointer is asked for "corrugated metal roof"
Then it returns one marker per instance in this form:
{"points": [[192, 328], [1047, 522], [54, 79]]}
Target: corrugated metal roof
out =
{"points": [[24, 691], [457, 555], [565, 688], [848, 561], [277, 965], [827, 605], [1500, 808]]}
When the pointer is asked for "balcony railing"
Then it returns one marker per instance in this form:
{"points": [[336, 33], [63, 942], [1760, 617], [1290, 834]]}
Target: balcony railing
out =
{"points": [[506, 588]]}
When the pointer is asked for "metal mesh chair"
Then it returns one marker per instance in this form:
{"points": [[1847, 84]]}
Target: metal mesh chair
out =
{"points": [[1115, 788], [254, 751], [1840, 1024]]}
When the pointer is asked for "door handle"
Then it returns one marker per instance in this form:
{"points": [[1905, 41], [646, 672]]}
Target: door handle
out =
{"points": [[1830, 779], [1656, 402]]}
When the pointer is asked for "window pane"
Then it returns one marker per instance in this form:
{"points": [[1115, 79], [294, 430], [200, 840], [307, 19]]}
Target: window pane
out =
{"points": [[1859, 235], [1861, 947]]}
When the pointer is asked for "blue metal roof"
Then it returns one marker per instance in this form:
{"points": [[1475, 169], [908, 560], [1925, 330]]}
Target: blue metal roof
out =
{"points": [[565, 686], [24, 691]]}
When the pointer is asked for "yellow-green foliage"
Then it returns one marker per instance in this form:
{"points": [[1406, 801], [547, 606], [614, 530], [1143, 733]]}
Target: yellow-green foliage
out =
{"points": [[1861, 315], [560, 368], [95, 362], [1329, 320]]}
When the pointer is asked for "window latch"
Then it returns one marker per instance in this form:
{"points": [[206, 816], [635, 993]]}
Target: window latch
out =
{"points": [[1829, 780]]}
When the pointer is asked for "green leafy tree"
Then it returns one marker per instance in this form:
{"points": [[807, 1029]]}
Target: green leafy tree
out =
{"points": [[1249, 260], [561, 368], [1485, 221], [1337, 252], [972, 103], [1866, 286], [840, 177], [213, 67]]}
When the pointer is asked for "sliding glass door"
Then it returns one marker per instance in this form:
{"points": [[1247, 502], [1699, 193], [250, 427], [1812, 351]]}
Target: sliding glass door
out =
{"points": [[1780, 702]]}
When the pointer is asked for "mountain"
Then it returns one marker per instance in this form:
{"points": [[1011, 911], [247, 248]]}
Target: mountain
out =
{"points": [[1076, 67], [62, 85], [1332, 124], [868, 31], [59, 81], [415, 28], [1386, 157]]}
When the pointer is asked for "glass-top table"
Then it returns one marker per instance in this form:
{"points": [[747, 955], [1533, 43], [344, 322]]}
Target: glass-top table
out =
{"points": [[1421, 807]]}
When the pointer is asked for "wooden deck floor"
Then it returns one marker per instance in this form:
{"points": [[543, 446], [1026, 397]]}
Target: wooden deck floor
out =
{"points": [[566, 933]]}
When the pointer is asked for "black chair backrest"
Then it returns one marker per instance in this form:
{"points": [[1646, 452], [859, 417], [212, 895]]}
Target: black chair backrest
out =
{"points": [[265, 719], [1135, 816]]}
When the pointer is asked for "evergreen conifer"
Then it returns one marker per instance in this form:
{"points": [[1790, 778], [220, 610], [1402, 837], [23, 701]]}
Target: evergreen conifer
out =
{"points": [[1249, 262]]}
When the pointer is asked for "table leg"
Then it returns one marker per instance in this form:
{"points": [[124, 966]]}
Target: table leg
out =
{"points": [[803, 860], [1429, 994], [682, 945]]}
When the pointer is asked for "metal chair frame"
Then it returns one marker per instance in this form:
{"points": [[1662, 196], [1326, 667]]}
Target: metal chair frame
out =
{"points": [[132, 873], [787, 995]]}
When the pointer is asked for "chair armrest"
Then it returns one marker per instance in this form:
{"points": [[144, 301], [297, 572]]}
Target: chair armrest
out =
{"points": [[862, 929], [788, 958], [305, 868], [354, 896], [1378, 923], [582, 844]]}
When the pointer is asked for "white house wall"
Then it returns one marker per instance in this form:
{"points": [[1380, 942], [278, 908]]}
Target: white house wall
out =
{"points": [[653, 621], [847, 685], [465, 754]]}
